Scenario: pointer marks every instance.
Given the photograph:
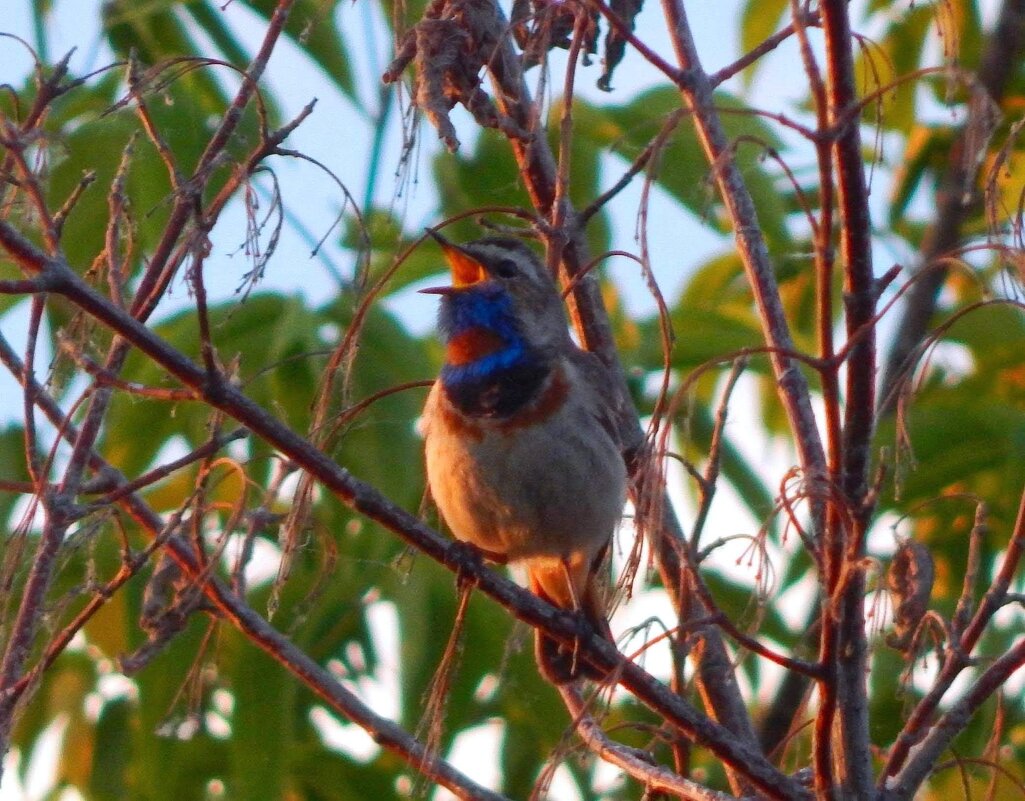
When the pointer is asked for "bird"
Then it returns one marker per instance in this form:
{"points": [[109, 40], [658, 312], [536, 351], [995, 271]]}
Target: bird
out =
{"points": [[522, 456]]}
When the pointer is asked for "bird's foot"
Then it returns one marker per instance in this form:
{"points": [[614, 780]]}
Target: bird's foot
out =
{"points": [[562, 663], [468, 560]]}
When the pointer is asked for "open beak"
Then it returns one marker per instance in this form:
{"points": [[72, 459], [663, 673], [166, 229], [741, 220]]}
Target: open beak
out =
{"points": [[466, 270]]}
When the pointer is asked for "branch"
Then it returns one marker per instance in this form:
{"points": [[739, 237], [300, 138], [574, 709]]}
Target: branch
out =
{"points": [[904, 785], [844, 549], [164, 470], [632, 761], [957, 654], [158, 272], [793, 387], [808, 18], [697, 92], [58, 502]]}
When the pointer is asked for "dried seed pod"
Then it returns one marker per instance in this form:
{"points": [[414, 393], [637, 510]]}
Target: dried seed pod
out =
{"points": [[448, 48], [909, 580]]}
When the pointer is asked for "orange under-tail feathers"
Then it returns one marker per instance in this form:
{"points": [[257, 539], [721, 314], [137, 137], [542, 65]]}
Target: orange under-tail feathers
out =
{"points": [[573, 585]]}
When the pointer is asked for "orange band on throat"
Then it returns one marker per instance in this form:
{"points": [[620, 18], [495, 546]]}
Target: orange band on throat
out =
{"points": [[471, 345]]}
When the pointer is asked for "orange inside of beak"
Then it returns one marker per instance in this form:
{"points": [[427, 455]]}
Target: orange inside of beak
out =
{"points": [[466, 270]]}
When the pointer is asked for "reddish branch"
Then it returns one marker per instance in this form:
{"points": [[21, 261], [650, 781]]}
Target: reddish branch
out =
{"points": [[697, 92], [844, 643], [831, 551]]}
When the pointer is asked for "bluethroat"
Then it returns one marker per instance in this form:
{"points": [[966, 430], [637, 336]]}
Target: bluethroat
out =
{"points": [[522, 455]]}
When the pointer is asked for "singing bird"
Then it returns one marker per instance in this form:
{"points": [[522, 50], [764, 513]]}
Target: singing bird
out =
{"points": [[522, 455]]}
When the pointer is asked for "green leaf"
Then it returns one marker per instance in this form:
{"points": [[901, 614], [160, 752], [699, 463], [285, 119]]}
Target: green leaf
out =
{"points": [[926, 155], [759, 20], [377, 444], [738, 601], [706, 334], [210, 19], [489, 177], [318, 774], [994, 334], [964, 437], [93, 140], [12, 468], [112, 757], [261, 724], [959, 26], [743, 477], [888, 66], [62, 689], [381, 234], [271, 337], [485, 177], [311, 26], [681, 167], [529, 735], [154, 34], [584, 166], [168, 767]]}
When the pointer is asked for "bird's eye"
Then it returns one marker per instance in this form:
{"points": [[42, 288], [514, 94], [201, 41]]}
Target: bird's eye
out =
{"points": [[506, 268]]}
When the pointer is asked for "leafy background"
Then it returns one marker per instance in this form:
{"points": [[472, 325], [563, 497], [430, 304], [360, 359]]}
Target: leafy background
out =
{"points": [[210, 717]]}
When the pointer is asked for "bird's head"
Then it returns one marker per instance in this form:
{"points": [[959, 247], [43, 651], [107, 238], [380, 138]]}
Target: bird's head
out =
{"points": [[500, 289]]}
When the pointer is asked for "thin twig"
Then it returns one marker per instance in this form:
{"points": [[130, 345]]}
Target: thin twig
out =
{"points": [[164, 470], [632, 761]]}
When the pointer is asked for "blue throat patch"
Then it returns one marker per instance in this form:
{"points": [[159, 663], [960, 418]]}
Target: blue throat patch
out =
{"points": [[485, 305], [501, 382]]}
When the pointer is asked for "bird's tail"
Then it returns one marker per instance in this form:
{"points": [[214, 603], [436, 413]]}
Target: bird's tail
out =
{"points": [[570, 584]]}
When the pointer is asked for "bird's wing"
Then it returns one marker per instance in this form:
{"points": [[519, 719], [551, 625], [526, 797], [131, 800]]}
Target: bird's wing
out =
{"points": [[600, 395]]}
